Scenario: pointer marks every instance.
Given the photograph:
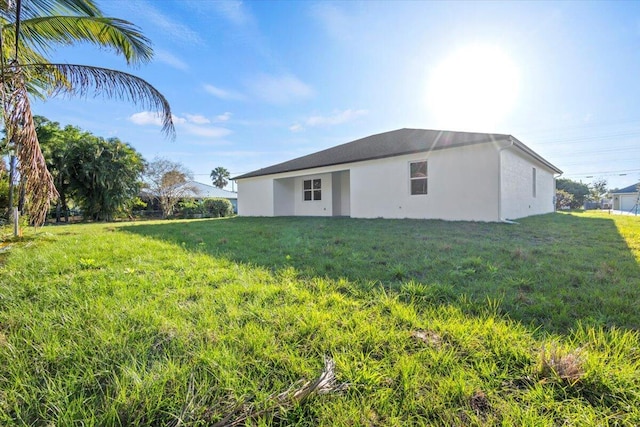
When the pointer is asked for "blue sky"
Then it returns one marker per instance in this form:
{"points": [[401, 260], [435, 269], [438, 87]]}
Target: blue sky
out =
{"points": [[256, 83]]}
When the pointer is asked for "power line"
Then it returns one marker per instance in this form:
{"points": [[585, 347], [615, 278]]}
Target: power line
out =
{"points": [[622, 172], [568, 141], [606, 150], [581, 127]]}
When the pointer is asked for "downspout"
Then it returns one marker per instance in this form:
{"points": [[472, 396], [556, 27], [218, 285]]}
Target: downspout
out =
{"points": [[500, 218]]}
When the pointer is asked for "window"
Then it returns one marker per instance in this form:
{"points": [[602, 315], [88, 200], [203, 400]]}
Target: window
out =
{"points": [[534, 182], [418, 171], [312, 189]]}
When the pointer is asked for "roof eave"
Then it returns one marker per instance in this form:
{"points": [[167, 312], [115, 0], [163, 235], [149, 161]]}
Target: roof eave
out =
{"points": [[256, 174], [538, 157]]}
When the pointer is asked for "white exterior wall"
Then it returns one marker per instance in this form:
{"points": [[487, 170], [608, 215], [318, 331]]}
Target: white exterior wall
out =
{"points": [[323, 207], [341, 193], [462, 185], [266, 196], [255, 196], [345, 193], [284, 197], [517, 199]]}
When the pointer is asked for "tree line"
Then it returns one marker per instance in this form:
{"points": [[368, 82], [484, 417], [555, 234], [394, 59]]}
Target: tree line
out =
{"points": [[573, 195], [99, 177]]}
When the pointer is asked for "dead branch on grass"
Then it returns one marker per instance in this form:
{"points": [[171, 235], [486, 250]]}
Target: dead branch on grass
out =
{"points": [[298, 392]]}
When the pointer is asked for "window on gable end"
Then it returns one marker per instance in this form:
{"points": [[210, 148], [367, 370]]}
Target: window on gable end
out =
{"points": [[418, 177]]}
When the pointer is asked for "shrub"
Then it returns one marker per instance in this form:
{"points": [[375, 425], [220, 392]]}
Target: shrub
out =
{"points": [[190, 207], [218, 207]]}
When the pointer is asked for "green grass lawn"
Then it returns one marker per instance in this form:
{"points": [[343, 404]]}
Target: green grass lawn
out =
{"points": [[428, 322]]}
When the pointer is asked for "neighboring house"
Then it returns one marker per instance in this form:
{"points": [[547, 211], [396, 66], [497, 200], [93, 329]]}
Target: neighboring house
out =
{"points": [[192, 190], [199, 191], [626, 199], [407, 173]]}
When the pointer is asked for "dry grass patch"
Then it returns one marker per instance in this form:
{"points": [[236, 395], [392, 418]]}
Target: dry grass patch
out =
{"points": [[430, 338], [519, 254], [558, 363]]}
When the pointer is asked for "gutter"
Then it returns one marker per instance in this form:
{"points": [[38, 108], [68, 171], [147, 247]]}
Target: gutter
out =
{"points": [[500, 218]]}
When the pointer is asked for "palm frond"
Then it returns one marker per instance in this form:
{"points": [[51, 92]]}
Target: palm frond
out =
{"points": [[117, 34], [80, 80], [21, 130], [36, 85], [33, 8]]}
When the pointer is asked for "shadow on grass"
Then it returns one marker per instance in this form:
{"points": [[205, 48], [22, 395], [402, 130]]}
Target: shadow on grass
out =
{"points": [[552, 271]]}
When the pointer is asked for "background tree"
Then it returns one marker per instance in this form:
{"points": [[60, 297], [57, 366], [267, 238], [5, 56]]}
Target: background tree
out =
{"points": [[165, 181], [220, 177], [564, 200], [55, 144], [597, 190], [30, 32], [578, 190], [104, 175]]}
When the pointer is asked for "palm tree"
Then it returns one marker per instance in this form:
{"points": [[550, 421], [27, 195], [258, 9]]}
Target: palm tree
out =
{"points": [[29, 30], [220, 177]]}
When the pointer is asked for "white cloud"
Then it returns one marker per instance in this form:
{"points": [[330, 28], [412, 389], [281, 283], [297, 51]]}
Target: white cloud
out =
{"points": [[169, 26], [223, 93], [197, 119], [178, 120], [153, 118], [223, 117], [146, 118], [209, 132], [282, 89], [336, 118], [191, 124], [296, 127], [170, 59]]}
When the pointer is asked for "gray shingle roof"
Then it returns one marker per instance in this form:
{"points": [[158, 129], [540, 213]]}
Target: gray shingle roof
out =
{"points": [[203, 191], [390, 144], [630, 189]]}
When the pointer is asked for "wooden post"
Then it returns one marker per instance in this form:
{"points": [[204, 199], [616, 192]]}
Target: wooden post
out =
{"points": [[12, 184], [16, 225]]}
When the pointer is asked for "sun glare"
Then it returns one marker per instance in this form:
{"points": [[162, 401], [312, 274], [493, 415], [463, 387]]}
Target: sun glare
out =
{"points": [[474, 88]]}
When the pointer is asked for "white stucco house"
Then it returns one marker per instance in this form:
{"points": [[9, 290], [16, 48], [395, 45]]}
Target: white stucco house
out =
{"points": [[626, 199], [407, 173]]}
